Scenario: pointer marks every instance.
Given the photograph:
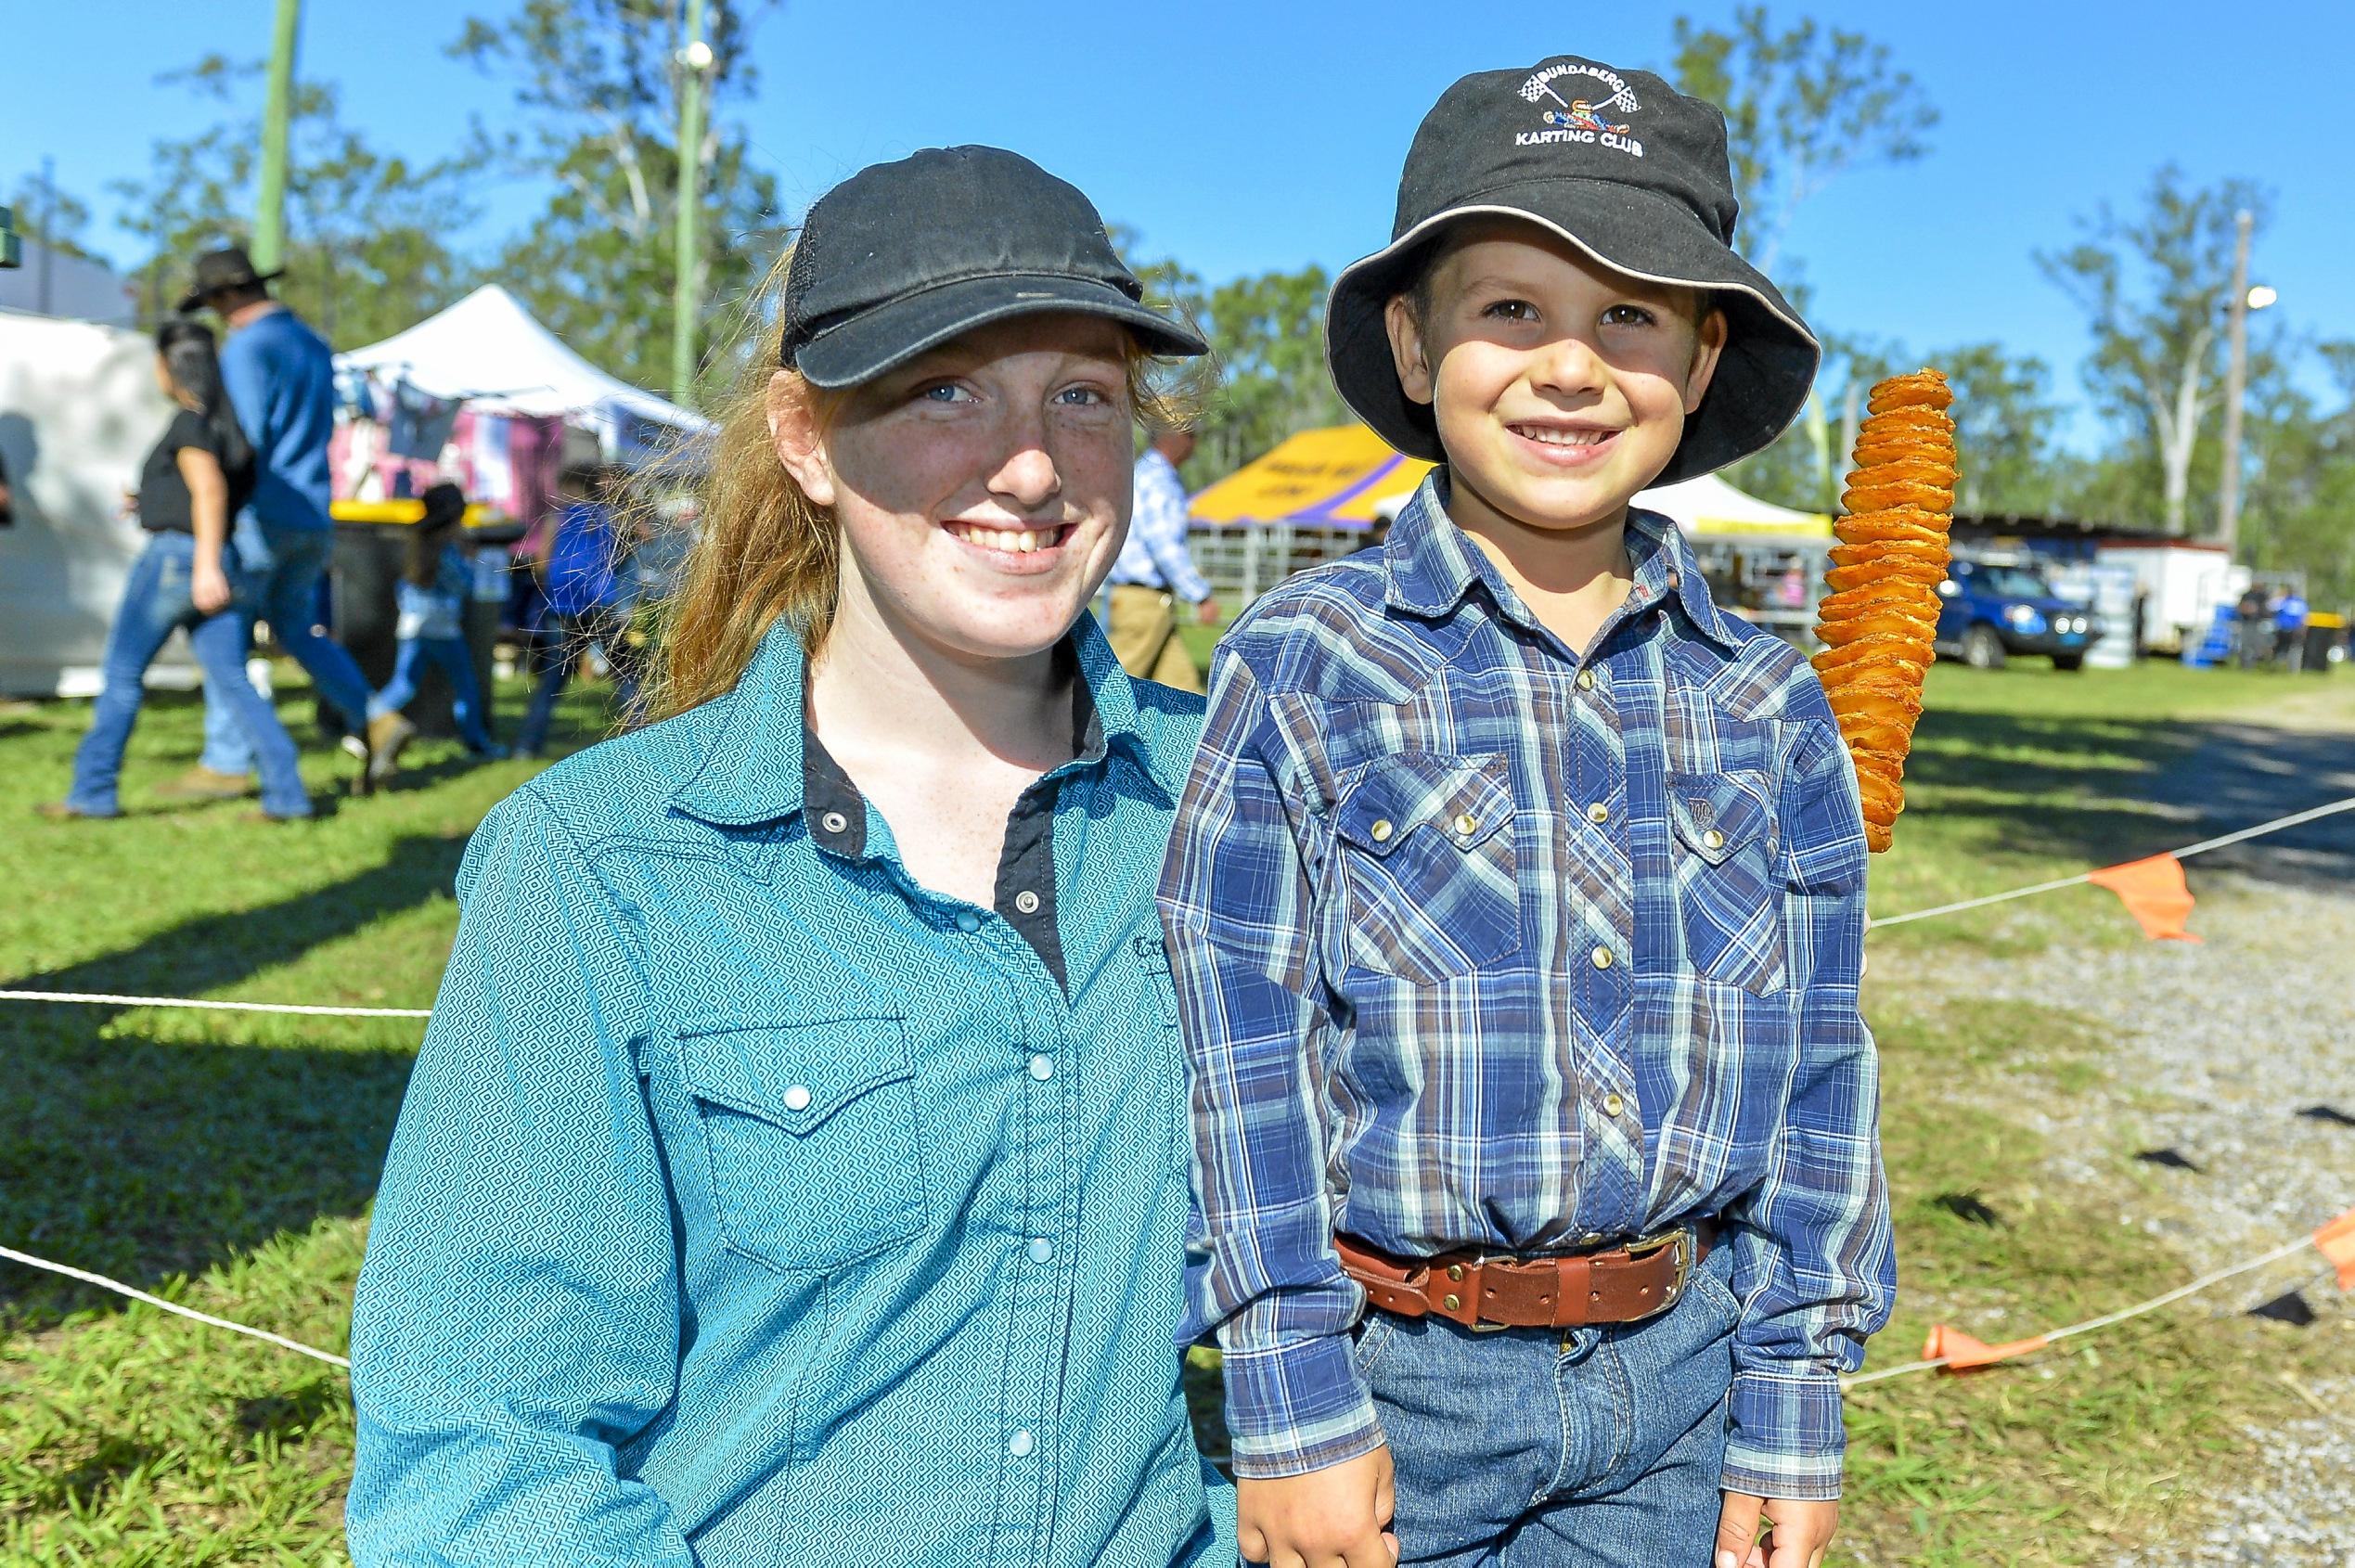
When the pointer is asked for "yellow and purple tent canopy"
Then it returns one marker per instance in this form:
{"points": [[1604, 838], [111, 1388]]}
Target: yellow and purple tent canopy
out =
{"points": [[1319, 478]]}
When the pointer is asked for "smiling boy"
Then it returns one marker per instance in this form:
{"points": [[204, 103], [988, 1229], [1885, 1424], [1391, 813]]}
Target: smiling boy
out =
{"points": [[1516, 909]]}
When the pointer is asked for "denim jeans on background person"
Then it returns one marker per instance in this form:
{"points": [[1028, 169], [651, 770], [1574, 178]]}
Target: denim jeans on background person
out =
{"points": [[286, 569], [155, 600], [1594, 1447], [569, 642], [455, 660]]}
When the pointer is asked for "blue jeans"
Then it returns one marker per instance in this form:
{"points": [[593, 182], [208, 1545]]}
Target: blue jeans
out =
{"points": [[1559, 1449], [155, 600], [572, 634], [287, 569], [451, 656]]}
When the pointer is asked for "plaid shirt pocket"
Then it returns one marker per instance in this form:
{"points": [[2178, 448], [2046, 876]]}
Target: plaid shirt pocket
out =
{"points": [[1428, 864], [1727, 894]]}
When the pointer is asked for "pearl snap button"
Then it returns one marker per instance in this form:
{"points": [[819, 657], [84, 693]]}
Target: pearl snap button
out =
{"points": [[1597, 812], [1042, 1249], [1601, 957], [1467, 824], [1713, 840], [1041, 1068], [1381, 829], [797, 1097], [1021, 1443], [1613, 1105]]}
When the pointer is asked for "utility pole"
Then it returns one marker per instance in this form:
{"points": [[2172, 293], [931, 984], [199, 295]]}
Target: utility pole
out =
{"points": [[694, 59], [2227, 499], [269, 205]]}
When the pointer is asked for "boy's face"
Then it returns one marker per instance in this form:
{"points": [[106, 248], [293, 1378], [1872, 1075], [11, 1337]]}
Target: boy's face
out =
{"points": [[1560, 386]]}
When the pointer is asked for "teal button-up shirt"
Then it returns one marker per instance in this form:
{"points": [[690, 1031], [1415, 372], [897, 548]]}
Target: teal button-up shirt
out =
{"points": [[752, 1204]]}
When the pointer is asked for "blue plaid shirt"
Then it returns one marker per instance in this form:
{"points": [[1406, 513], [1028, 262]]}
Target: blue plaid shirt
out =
{"points": [[1482, 946]]}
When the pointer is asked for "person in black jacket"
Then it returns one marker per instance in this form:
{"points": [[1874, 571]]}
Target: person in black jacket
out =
{"points": [[192, 484]]}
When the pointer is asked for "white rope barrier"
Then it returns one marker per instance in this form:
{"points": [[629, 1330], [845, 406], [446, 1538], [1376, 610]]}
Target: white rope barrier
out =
{"points": [[2120, 1315], [2278, 824], [119, 1288], [98, 998]]}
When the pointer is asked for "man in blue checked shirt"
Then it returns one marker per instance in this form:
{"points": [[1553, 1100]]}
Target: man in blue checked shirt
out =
{"points": [[1154, 569], [1516, 911]]}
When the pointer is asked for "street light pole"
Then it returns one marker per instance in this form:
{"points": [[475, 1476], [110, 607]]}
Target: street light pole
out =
{"points": [[277, 108], [694, 59], [2227, 499]]}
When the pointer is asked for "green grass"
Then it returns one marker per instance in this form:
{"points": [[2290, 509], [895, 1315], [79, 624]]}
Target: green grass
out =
{"points": [[228, 1160]]}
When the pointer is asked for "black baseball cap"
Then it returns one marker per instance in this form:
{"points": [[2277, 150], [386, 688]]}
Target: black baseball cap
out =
{"points": [[902, 257], [1629, 170]]}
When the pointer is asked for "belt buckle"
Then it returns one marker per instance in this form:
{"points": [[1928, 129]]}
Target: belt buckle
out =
{"points": [[1680, 1239], [1472, 1267]]}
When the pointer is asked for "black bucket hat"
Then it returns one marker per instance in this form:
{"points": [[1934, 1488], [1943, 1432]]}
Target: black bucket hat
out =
{"points": [[226, 268], [1629, 170], [902, 257]]}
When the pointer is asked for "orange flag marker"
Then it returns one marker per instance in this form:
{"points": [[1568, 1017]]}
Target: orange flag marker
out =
{"points": [[2154, 893], [1960, 1351], [2336, 1241]]}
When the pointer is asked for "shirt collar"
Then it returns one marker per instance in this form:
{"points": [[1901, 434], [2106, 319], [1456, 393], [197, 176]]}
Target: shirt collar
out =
{"points": [[1431, 564], [764, 765]]}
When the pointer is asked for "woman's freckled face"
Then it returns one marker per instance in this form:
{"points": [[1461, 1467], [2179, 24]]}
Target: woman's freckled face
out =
{"points": [[984, 489]]}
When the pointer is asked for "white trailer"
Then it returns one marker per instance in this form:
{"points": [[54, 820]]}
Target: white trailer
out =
{"points": [[2178, 584]]}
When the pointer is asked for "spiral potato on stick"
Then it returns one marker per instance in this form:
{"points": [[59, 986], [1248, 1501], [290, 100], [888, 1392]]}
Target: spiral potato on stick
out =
{"points": [[1880, 618]]}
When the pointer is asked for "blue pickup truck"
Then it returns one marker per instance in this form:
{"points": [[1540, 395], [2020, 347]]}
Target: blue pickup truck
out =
{"points": [[1990, 611]]}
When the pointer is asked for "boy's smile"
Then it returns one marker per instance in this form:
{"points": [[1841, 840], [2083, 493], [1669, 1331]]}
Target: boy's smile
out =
{"points": [[1559, 387]]}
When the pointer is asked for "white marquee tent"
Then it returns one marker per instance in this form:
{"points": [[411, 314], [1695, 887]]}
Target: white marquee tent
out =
{"points": [[488, 350], [1709, 504]]}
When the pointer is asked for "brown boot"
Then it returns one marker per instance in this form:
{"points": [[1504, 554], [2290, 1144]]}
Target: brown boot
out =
{"points": [[201, 783], [388, 733]]}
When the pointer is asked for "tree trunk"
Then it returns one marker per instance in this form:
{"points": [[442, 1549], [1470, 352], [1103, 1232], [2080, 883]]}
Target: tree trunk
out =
{"points": [[2178, 430]]}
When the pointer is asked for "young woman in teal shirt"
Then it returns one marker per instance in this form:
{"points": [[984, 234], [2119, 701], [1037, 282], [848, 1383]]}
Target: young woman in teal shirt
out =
{"points": [[795, 1169]]}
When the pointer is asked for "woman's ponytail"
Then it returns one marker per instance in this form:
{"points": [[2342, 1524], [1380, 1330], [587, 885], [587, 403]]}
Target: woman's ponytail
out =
{"points": [[189, 359]]}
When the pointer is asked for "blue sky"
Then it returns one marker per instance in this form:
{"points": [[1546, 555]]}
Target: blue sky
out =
{"points": [[1242, 136]]}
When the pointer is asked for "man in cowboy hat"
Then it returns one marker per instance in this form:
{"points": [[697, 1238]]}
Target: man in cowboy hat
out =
{"points": [[280, 379]]}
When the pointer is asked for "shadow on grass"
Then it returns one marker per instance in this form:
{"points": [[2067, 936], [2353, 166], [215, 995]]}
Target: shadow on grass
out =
{"points": [[214, 951], [2083, 788], [142, 1158]]}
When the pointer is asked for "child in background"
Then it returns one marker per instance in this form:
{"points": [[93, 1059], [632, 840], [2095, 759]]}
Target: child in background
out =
{"points": [[431, 602], [589, 583], [1516, 910]]}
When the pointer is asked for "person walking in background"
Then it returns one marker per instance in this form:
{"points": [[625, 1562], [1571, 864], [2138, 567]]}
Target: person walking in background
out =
{"points": [[432, 601], [2289, 630], [1154, 569], [587, 580], [280, 380], [2252, 632], [193, 482]]}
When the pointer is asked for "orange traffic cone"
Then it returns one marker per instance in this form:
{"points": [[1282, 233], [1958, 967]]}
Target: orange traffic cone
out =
{"points": [[2154, 893], [2336, 1241], [1960, 1352]]}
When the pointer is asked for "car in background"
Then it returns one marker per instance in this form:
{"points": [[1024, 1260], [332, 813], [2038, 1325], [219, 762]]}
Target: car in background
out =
{"points": [[1991, 610]]}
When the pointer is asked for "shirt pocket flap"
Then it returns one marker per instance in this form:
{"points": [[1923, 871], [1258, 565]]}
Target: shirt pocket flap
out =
{"points": [[1719, 814], [794, 1075], [1464, 799]]}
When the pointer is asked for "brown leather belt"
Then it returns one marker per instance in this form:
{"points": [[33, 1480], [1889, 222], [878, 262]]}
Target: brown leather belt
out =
{"points": [[1624, 1284]]}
